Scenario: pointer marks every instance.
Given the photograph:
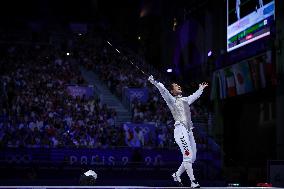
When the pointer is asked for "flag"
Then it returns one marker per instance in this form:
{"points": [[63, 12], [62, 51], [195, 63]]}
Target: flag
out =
{"points": [[222, 83], [254, 71], [230, 80], [243, 78]]}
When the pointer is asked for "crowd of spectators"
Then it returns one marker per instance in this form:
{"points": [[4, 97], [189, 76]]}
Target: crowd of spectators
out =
{"points": [[36, 110]]}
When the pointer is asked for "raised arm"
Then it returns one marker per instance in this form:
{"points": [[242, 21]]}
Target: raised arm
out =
{"points": [[190, 99], [164, 92]]}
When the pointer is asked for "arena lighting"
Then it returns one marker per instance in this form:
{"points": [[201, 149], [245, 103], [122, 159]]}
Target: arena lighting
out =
{"points": [[169, 70], [139, 37], [68, 54], [117, 50], [209, 53], [79, 34], [109, 43]]}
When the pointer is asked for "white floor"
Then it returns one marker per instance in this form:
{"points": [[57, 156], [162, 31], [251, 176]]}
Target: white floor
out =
{"points": [[118, 187]]}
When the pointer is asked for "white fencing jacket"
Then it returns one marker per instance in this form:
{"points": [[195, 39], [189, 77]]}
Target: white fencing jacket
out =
{"points": [[179, 106]]}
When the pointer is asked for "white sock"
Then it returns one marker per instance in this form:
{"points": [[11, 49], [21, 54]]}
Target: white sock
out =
{"points": [[180, 170], [189, 170]]}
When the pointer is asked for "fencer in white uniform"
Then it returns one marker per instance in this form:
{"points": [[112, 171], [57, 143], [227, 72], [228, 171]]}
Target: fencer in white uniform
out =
{"points": [[179, 107]]}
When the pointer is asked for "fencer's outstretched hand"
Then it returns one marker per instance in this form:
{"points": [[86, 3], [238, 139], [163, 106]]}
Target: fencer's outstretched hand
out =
{"points": [[203, 85], [151, 79]]}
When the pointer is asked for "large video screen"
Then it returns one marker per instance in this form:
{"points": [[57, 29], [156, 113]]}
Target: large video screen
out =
{"points": [[248, 21]]}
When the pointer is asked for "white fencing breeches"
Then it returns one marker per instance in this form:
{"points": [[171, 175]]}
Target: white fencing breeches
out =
{"points": [[186, 143]]}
